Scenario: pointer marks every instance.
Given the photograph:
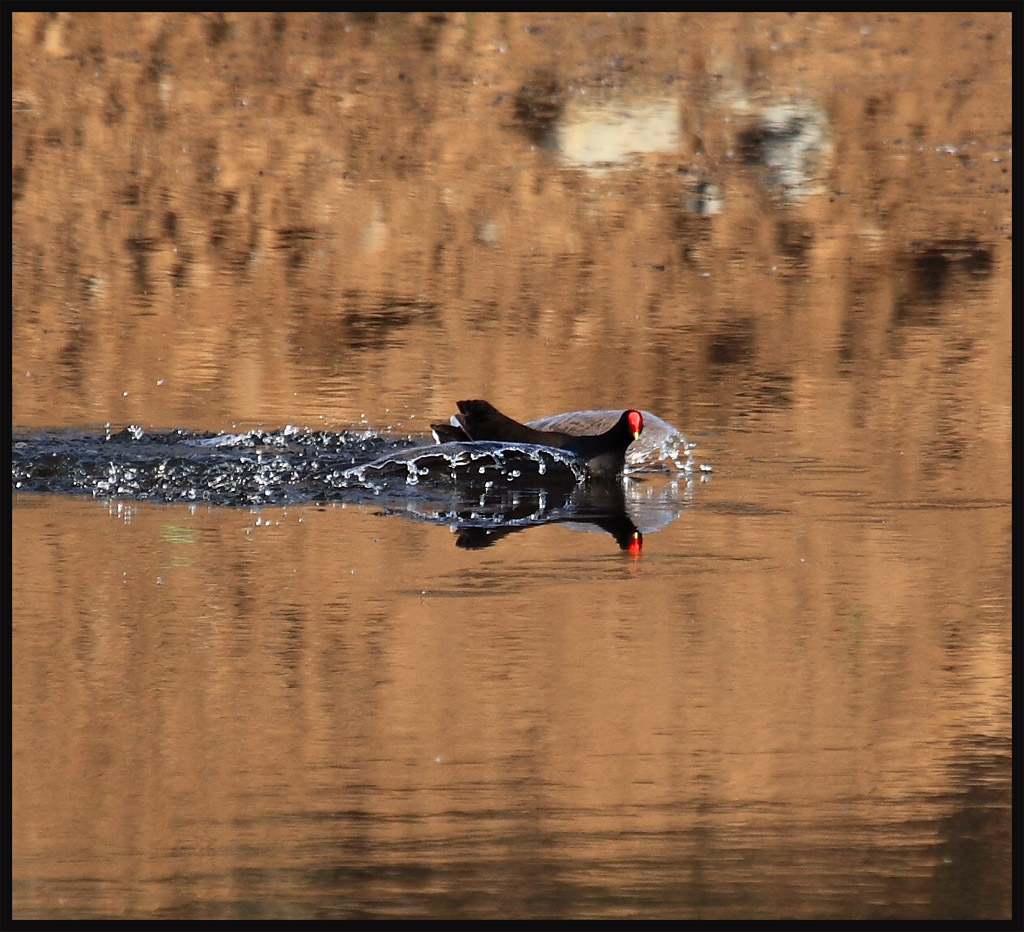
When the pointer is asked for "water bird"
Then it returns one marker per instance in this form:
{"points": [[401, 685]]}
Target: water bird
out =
{"points": [[603, 454]]}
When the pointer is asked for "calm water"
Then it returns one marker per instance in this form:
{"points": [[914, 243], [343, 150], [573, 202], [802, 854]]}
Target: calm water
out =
{"points": [[795, 702], [319, 694]]}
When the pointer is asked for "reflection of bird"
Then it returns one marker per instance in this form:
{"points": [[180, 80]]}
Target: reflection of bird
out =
{"points": [[603, 454], [590, 505], [622, 529]]}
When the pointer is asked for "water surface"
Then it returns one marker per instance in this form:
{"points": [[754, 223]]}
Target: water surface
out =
{"points": [[255, 675]]}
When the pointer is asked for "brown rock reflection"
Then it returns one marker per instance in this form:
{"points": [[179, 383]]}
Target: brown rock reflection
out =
{"points": [[179, 175]]}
